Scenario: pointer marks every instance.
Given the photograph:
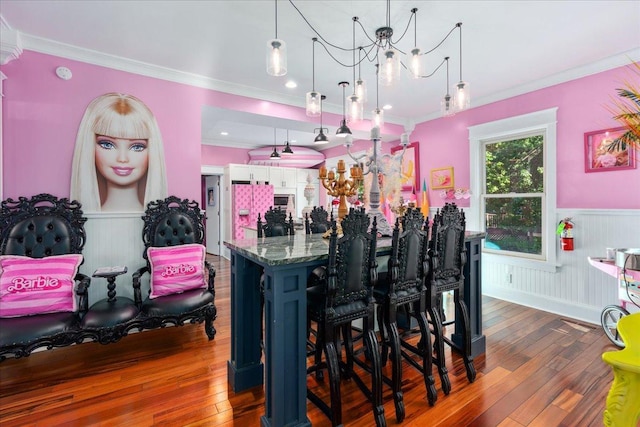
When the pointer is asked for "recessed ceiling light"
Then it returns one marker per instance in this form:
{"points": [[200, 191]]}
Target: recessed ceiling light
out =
{"points": [[387, 107], [291, 84], [292, 141], [223, 133]]}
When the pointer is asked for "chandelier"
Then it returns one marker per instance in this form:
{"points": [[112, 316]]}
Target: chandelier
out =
{"points": [[382, 48]]}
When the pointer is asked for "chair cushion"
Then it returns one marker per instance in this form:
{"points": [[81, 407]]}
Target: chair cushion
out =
{"points": [[106, 313], [176, 269], [30, 286], [22, 330], [177, 304]]}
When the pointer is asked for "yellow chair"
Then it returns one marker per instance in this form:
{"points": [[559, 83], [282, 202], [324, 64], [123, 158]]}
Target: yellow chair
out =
{"points": [[623, 401]]}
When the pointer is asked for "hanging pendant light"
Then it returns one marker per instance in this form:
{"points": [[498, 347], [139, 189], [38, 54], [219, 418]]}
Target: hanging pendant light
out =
{"points": [[321, 138], [355, 107], [313, 98], [343, 130], [276, 53], [274, 155], [461, 90], [360, 86], [287, 151], [378, 114], [416, 55], [446, 105]]}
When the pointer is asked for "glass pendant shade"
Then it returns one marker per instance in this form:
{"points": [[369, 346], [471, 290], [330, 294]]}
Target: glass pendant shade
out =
{"points": [[276, 57], [416, 63], [389, 67], [355, 108], [462, 96], [313, 104], [361, 90], [377, 118], [446, 106]]}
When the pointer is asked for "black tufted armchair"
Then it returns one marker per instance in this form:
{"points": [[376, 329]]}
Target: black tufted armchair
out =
{"points": [[173, 222], [38, 227]]}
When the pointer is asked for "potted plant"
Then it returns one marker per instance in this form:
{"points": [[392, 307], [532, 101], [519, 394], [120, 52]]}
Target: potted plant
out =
{"points": [[626, 110]]}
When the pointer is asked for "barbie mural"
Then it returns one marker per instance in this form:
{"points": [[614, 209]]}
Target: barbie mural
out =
{"points": [[118, 162]]}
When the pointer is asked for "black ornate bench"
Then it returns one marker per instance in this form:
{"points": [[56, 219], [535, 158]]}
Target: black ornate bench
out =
{"points": [[44, 300]]}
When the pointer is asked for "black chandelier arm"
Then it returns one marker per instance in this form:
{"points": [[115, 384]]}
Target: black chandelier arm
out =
{"points": [[334, 58], [444, 39], [316, 31], [426, 75], [413, 14]]}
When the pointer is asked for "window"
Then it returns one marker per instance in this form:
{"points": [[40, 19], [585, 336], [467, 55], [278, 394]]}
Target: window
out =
{"points": [[513, 176], [513, 195]]}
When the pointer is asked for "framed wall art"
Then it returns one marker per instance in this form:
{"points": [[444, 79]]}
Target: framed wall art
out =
{"points": [[441, 178], [602, 153], [410, 172]]}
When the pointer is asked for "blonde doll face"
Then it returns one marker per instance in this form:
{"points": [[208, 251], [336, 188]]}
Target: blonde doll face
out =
{"points": [[121, 161]]}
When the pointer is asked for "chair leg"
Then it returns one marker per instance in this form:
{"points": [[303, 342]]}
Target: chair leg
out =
{"points": [[381, 310], [334, 382], [348, 349], [466, 330], [209, 317], [376, 377], [439, 349], [427, 358], [396, 365], [317, 358]]}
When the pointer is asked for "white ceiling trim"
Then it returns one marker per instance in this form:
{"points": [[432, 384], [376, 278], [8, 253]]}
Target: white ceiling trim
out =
{"points": [[63, 50]]}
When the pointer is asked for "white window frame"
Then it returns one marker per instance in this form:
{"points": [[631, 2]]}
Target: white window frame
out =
{"points": [[544, 122]]}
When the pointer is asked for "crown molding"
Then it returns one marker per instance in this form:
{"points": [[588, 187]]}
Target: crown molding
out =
{"points": [[615, 61], [10, 43]]}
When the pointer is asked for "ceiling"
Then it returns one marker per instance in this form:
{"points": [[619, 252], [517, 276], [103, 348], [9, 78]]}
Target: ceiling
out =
{"points": [[509, 47]]}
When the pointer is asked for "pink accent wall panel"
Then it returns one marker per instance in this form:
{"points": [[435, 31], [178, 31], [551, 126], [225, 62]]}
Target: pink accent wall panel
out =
{"points": [[582, 107], [41, 114]]}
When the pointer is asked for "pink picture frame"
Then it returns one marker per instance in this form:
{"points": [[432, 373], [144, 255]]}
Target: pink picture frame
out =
{"points": [[597, 156], [410, 167]]}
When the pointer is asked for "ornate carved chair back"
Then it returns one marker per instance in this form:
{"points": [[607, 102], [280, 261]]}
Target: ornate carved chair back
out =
{"points": [[408, 265], [41, 226], [446, 247], [170, 222], [352, 273], [275, 223], [319, 223]]}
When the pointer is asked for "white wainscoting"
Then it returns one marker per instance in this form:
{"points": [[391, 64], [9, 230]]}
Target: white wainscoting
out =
{"points": [[576, 289], [113, 239]]}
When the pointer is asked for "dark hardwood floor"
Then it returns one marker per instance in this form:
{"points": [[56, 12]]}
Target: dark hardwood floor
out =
{"points": [[539, 370]]}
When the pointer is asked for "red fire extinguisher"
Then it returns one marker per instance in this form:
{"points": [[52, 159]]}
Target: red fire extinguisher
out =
{"points": [[565, 230]]}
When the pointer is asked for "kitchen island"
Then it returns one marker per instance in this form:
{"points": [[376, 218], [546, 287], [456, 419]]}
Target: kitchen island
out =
{"points": [[286, 263]]}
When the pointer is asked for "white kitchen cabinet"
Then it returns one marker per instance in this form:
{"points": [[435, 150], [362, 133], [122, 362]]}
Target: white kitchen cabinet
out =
{"points": [[251, 173], [283, 177]]}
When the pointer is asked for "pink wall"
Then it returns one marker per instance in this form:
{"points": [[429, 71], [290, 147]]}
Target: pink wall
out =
{"points": [[41, 114], [213, 155], [582, 107]]}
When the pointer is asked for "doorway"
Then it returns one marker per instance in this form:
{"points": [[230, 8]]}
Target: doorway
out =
{"points": [[212, 207]]}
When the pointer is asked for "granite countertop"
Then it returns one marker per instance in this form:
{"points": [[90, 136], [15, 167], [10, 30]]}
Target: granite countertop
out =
{"points": [[300, 247]]}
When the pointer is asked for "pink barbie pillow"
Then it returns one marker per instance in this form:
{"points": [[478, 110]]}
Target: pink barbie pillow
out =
{"points": [[31, 286], [176, 269]]}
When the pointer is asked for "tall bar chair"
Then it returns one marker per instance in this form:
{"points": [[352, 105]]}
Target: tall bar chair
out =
{"points": [[447, 257], [319, 223], [404, 289], [337, 298]]}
